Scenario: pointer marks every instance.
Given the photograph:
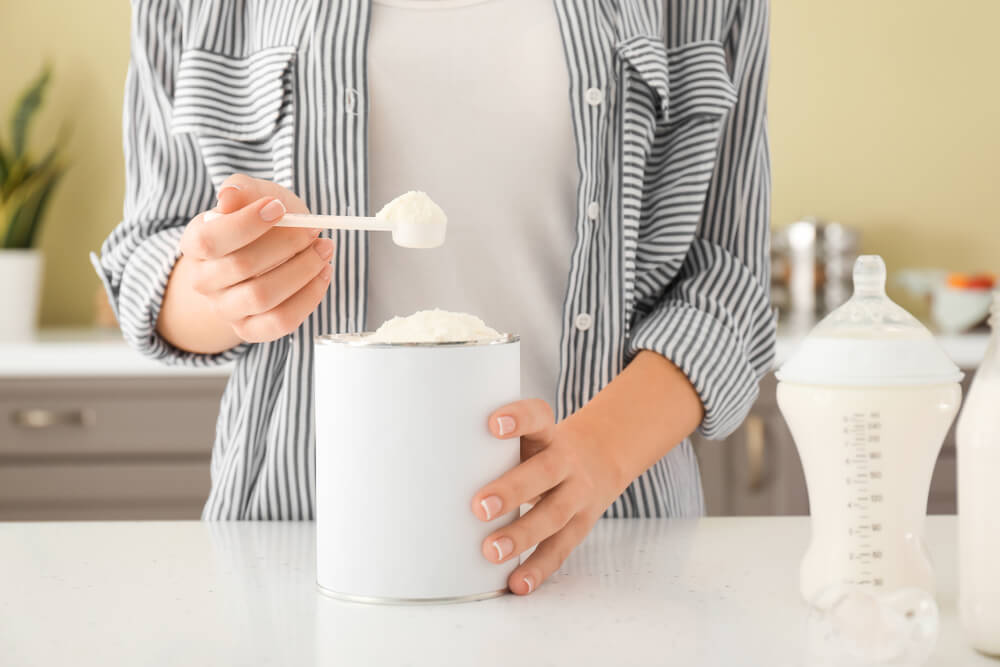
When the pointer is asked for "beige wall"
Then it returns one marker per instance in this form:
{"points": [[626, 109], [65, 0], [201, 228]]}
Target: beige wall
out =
{"points": [[884, 114], [87, 44]]}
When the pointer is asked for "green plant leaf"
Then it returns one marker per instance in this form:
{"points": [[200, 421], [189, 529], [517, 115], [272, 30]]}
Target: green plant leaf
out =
{"points": [[4, 166], [26, 217], [24, 110], [43, 165], [16, 175], [24, 172]]}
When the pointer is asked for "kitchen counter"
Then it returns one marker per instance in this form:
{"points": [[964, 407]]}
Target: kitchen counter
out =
{"points": [[87, 353], [639, 592], [103, 353]]}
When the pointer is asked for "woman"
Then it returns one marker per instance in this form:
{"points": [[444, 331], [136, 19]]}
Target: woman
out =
{"points": [[604, 167]]}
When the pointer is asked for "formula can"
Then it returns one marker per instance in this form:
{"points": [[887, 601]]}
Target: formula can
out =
{"points": [[402, 446]]}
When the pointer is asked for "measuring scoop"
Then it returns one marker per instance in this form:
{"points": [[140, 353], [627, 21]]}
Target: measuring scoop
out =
{"points": [[413, 218]]}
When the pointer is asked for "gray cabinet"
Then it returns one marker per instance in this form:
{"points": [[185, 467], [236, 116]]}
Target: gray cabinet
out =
{"points": [[756, 471], [139, 448], [106, 448]]}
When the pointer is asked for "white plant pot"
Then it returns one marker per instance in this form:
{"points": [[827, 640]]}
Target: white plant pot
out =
{"points": [[20, 288]]}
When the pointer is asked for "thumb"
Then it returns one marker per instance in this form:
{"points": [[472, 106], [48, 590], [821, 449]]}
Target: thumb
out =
{"points": [[233, 197]]}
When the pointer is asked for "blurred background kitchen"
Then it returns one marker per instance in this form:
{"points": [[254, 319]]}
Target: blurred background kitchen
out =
{"points": [[885, 139]]}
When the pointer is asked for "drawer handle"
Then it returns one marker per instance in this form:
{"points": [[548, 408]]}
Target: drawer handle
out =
{"points": [[44, 418], [755, 452]]}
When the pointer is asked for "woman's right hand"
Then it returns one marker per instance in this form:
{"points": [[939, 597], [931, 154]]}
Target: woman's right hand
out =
{"points": [[260, 280]]}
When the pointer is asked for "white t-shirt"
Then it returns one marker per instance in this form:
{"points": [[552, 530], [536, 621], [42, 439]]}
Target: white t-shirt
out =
{"points": [[470, 103]]}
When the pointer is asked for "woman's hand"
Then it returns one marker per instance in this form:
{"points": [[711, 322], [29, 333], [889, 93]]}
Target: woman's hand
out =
{"points": [[259, 280], [567, 473]]}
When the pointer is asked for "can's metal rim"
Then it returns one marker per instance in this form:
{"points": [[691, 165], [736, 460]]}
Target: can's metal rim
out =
{"points": [[368, 599], [358, 340]]}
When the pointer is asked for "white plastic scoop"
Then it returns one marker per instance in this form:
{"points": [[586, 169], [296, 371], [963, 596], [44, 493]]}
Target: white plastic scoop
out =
{"points": [[413, 218]]}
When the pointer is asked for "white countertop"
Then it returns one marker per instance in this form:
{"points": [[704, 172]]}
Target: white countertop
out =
{"points": [[638, 592], [86, 353], [97, 353]]}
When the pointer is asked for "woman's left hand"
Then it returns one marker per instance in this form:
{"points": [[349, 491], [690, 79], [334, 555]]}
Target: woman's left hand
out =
{"points": [[569, 476]]}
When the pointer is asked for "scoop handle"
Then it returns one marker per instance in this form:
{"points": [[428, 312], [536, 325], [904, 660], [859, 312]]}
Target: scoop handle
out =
{"points": [[334, 222]]}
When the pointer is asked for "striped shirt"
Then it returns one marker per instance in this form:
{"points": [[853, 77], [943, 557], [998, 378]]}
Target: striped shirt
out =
{"points": [[672, 209]]}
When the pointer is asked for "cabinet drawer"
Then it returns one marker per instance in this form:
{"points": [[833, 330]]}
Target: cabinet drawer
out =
{"points": [[110, 418], [98, 511], [24, 485]]}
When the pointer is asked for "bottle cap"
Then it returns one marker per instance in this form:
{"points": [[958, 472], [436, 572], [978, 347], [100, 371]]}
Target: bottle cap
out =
{"points": [[869, 341]]}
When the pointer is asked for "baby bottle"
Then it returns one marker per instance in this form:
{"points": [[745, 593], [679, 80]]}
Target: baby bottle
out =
{"points": [[869, 396], [979, 500]]}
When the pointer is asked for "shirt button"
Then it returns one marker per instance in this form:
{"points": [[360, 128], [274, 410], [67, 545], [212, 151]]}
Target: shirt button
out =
{"points": [[351, 101], [594, 210], [594, 96], [584, 321]]}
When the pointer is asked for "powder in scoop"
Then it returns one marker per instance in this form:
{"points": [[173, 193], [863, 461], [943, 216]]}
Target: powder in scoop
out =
{"points": [[433, 326], [413, 206]]}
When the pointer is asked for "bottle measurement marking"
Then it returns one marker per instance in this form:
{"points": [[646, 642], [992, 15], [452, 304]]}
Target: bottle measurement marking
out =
{"points": [[862, 474]]}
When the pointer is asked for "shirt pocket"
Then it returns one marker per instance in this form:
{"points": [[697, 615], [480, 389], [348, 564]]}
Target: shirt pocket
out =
{"points": [[673, 105], [241, 110], [670, 87]]}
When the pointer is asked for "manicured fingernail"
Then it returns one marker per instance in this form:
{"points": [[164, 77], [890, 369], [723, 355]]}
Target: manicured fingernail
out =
{"points": [[506, 425], [272, 211], [210, 215], [323, 248], [492, 506], [529, 581], [227, 188], [503, 545]]}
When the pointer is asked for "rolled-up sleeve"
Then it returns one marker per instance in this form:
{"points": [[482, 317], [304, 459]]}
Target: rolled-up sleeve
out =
{"points": [[166, 184], [714, 320]]}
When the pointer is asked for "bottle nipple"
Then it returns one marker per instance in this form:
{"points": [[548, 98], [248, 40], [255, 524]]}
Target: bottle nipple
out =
{"points": [[869, 276]]}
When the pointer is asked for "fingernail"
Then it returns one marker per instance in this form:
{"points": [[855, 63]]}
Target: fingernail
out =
{"points": [[529, 581], [491, 506], [210, 215], [323, 248], [272, 211], [226, 188], [326, 272], [504, 546], [506, 425]]}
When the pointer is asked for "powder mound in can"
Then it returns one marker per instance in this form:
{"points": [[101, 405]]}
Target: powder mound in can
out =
{"points": [[433, 326]]}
